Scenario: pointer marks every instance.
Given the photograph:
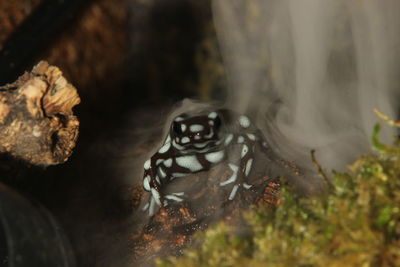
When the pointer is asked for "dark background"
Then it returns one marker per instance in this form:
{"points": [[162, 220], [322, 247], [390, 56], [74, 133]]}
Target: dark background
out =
{"points": [[130, 61]]}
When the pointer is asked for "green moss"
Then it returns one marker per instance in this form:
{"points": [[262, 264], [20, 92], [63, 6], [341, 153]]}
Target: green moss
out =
{"points": [[355, 224]]}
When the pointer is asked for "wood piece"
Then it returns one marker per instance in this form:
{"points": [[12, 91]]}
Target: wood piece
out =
{"points": [[37, 124]]}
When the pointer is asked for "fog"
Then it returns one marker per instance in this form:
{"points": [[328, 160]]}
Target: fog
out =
{"points": [[311, 72], [308, 72]]}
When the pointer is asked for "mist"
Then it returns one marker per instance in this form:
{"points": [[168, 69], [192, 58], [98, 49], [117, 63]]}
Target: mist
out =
{"points": [[311, 72], [308, 72]]}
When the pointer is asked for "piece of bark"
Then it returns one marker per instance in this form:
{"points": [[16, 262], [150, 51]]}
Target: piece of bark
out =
{"points": [[37, 124]]}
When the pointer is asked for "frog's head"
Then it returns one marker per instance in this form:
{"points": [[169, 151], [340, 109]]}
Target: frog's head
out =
{"points": [[195, 132]]}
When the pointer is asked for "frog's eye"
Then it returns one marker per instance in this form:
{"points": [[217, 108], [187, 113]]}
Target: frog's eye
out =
{"points": [[217, 123], [176, 127]]}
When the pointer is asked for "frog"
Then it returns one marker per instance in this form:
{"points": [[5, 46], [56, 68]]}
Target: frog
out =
{"points": [[196, 143]]}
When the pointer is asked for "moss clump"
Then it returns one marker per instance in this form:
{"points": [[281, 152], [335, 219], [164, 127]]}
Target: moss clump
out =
{"points": [[356, 223]]}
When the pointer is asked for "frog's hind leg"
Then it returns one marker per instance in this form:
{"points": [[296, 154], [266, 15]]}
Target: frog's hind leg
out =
{"points": [[241, 172]]}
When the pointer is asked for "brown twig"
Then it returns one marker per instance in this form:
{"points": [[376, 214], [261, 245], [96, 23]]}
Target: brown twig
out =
{"points": [[321, 171]]}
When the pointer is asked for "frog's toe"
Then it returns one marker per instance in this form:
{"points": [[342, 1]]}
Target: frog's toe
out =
{"points": [[247, 186], [174, 197], [233, 177], [233, 192], [150, 206], [235, 189], [156, 196], [146, 206]]}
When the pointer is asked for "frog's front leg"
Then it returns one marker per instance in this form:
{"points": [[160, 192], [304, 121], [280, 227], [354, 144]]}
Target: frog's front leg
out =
{"points": [[153, 181], [152, 184], [185, 165], [162, 168]]}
